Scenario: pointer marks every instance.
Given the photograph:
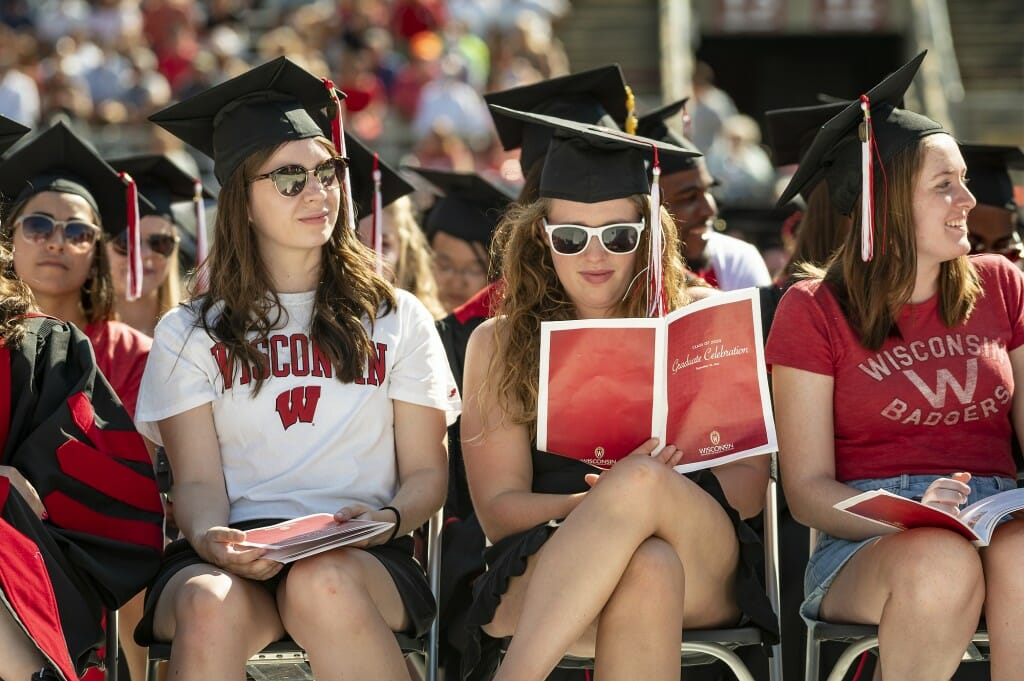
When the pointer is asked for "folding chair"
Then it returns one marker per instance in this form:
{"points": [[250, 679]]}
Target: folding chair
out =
{"points": [[288, 652], [112, 657], [860, 638], [704, 646]]}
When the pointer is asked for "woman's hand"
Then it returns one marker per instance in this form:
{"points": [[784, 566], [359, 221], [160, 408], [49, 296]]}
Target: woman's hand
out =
{"points": [[668, 455], [220, 546], [948, 494], [25, 489], [364, 512]]}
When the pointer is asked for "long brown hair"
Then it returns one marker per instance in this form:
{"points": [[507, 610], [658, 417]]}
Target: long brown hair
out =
{"points": [[414, 273], [238, 278], [821, 231], [872, 293], [15, 301], [533, 293], [97, 295]]}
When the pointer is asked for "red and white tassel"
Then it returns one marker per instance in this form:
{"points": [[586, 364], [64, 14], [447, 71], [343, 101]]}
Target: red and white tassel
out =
{"points": [[338, 137], [202, 243], [655, 275], [867, 196], [687, 123], [133, 289], [378, 217]]}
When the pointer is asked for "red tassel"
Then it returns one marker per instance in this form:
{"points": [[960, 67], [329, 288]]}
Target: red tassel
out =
{"points": [[338, 137], [202, 245], [134, 287]]}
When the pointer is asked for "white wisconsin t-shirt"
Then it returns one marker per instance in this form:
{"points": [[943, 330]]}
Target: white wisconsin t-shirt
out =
{"points": [[307, 443]]}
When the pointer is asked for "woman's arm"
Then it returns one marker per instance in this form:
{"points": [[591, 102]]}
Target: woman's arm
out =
{"points": [[744, 483], [201, 507], [497, 455], [803, 419], [1017, 413]]}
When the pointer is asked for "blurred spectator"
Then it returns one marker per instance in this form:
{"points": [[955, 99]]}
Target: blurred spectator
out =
{"points": [[443, 149], [366, 101], [19, 96], [745, 174], [16, 14], [424, 66], [452, 100], [409, 17], [709, 107], [115, 22]]}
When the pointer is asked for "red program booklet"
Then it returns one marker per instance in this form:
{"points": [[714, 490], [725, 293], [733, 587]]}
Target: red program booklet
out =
{"points": [[310, 535], [976, 522], [695, 379]]}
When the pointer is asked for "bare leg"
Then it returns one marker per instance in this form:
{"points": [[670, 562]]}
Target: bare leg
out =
{"points": [[343, 608], [217, 621], [636, 500], [20, 658], [128, 617], [924, 588], [1004, 601]]}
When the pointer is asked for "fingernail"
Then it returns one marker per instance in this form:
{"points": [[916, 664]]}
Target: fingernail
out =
{"points": [[45, 516]]}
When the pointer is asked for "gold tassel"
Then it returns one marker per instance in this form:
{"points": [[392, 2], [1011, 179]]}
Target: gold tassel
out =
{"points": [[631, 120]]}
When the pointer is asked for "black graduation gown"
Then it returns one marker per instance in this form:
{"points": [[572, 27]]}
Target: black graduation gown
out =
{"points": [[65, 431]]}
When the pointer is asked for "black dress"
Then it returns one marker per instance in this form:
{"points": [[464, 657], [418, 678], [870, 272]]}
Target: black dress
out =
{"points": [[507, 559]]}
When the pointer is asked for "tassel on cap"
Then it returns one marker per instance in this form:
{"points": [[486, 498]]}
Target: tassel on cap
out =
{"points": [[133, 289], [378, 217], [202, 244], [338, 137], [867, 196], [631, 120], [656, 303]]}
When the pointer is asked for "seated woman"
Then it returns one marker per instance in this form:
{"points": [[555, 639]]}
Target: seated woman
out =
{"points": [[300, 383], [80, 517], [616, 569], [894, 368]]}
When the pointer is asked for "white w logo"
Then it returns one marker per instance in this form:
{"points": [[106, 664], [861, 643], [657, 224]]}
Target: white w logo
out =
{"points": [[943, 378]]}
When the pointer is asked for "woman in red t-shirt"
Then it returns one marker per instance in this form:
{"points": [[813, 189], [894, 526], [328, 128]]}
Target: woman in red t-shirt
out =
{"points": [[893, 368]]}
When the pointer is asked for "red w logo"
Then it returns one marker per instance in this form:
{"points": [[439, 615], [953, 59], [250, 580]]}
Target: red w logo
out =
{"points": [[298, 404]]}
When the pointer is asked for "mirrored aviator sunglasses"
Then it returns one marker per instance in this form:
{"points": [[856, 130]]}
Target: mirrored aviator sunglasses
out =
{"points": [[618, 239], [291, 180], [160, 244], [40, 228]]}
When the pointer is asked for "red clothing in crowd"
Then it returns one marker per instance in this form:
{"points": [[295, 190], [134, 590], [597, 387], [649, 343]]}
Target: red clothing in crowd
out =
{"points": [[121, 354]]}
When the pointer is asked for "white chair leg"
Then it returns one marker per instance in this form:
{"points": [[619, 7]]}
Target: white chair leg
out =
{"points": [[850, 655], [812, 657], [722, 653]]}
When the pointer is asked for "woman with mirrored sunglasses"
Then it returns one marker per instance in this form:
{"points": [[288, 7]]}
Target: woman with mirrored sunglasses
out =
{"points": [[298, 382], [161, 276], [581, 564]]}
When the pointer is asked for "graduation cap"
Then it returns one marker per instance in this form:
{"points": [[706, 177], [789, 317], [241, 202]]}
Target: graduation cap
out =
{"points": [[60, 161], [837, 155], [10, 132], [791, 130], [361, 163], [589, 163], [988, 169], [277, 102], [653, 125], [469, 207], [599, 96]]}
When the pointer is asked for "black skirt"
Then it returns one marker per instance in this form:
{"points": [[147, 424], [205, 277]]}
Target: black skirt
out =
{"points": [[396, 556], [508, 558]]}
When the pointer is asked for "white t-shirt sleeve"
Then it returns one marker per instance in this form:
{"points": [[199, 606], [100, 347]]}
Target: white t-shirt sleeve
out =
{"points": [[176, 378], [420, 373]]}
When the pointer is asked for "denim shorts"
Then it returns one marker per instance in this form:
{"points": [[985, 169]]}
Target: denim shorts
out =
{"points": [[830, 554]]}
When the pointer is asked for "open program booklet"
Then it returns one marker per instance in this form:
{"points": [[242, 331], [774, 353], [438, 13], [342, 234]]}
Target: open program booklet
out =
{"points": [[310, 535], [695, 379], [976, 522]]}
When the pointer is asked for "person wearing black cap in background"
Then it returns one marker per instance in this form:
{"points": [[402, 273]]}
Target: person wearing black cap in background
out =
{"points": [[994, 223], [64, 203], [582, 250], [300, 383], [725, 262], [404, 254], [164, 183], [81, 539], [894, 368]]}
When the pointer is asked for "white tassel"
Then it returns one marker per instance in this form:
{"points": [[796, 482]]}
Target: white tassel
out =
{"points": [[202, 244], [867, 214], [378, 217], [656, 276]]}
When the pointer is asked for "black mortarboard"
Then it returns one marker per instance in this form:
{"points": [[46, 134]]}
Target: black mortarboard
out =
{"points": [[161, 181], [10, 132], [469, 208], [270, 104], [589, 163], [835, 153], [58, 160], [653, 125], [360, 170], [791, 130], [598, 96], [988, 170]]}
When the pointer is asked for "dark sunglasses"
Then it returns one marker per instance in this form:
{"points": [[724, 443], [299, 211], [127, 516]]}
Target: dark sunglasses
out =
{"points": [[1010, 247], [291, 180], [619, 238], [39, 228], [161, 244]]}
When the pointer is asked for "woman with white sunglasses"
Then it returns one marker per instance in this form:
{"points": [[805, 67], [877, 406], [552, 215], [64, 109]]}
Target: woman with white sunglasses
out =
{"points": [[610, 567]]}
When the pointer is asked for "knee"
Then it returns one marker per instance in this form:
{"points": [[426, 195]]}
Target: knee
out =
{"points": [[939, 568], [207, 607], [330, 579], [632, 481], [656, 568]]}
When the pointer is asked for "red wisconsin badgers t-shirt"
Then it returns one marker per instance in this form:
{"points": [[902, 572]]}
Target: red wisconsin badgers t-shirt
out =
{"points": [[935, 401]]}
